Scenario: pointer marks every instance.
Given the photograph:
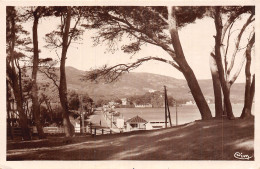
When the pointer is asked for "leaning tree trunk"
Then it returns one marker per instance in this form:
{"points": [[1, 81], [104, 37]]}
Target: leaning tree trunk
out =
{"points": [[68, 127], [248, 88], [196, 92], [35, 102], [217, 88], [217, 56], [186, 70]]}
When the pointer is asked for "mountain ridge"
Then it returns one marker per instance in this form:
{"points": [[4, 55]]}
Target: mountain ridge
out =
{"points": [[138, 83]]}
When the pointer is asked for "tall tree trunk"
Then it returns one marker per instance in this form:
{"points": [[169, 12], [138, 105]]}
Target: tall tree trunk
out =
{"points": [[12, 75], [48, 107], [35, 102], [8, 108], [9, 120], [12, 110], [252, 93], [186, 70], [249, 89], [22, 117], [228, 92], [20, 81], [217, 56], [217, 88], [68, 127], [28, 110]]}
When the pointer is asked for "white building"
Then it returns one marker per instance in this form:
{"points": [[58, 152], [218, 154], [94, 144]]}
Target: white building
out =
{"points": [[125, 101], [120, 123], [190, 103], [143, 105], [151, 91], [135, 123], [138, 123], [153, 125]]}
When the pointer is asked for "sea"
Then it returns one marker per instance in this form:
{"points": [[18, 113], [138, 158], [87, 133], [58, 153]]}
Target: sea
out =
{"points": [[185, 113]]}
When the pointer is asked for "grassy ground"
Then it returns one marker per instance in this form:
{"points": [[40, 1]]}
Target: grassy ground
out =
{"points": [[200, 140]]}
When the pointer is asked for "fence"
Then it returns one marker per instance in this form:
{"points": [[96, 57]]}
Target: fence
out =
{"points": [[53, 130], [91, 130], [16, 131], [98, 131]]}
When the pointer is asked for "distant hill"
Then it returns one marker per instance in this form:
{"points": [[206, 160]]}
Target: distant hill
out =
{"points": [[133, 83]]}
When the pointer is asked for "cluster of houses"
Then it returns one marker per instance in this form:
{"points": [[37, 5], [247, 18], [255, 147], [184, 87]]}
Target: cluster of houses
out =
{"points": [[193, 102], [126, 102], [116, 120]]}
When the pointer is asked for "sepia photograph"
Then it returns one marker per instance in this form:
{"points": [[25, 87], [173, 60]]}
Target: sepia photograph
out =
{"points": [[138, 83]]}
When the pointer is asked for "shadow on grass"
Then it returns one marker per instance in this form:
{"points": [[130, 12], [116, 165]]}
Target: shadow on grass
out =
{"points": [[200, 140]]}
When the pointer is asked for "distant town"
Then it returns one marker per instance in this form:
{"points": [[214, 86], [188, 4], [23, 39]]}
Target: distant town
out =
{"points": [[151, 99]]}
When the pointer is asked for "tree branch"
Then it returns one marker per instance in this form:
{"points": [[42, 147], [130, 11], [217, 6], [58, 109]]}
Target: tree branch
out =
{"points": [[160, 15], [74, 30], [249, 20], [225, 55], [50, 75], [249, 47], [230, 20], [150, 35], [110, 74], [233, 79]]}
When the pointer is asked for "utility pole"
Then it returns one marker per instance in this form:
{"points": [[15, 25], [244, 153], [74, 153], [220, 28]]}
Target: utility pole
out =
{"points": [[169, 114], [176, 104], [167, 109], [111, 119], [82, 115], [83, 124], [165, 106]]}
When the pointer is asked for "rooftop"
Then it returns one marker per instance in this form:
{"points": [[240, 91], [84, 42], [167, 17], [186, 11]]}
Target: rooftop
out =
{"points": [[136, 119]]}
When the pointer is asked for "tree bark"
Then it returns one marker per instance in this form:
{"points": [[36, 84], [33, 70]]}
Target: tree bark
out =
{"points": [[252, 93], [22, 117], [217, 56], [12, 75], [35, 101], [216, 88], [186, 70], [68, 127], [20, 81], [48, 107], [249, 88], [8, 109]]}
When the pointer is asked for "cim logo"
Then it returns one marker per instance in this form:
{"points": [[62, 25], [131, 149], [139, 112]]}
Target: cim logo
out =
{"points": [[242, 156]]}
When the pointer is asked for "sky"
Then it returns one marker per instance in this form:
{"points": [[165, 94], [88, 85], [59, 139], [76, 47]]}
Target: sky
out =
{"points": [[196, 39]]}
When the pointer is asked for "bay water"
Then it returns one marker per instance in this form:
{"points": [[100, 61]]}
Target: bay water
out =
{"points": [[185, 113]]}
